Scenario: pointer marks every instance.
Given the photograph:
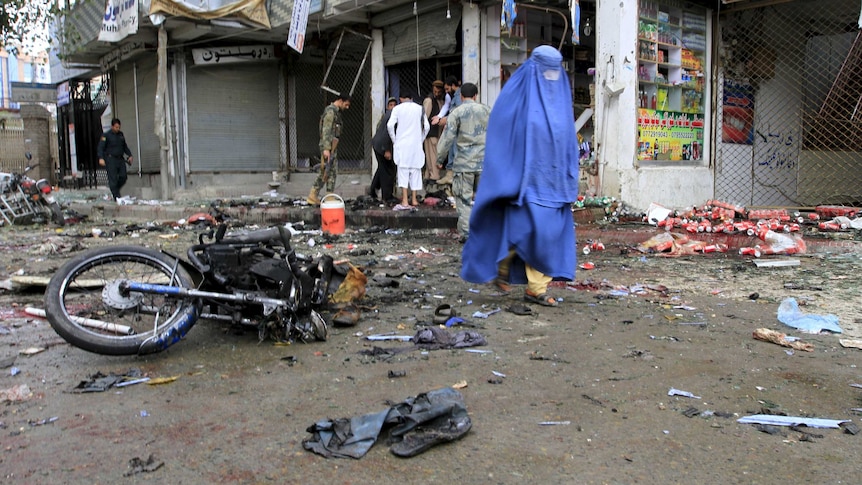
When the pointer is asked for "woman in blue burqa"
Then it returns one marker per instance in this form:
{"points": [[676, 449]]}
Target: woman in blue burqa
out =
{"points": [[521, 228]]}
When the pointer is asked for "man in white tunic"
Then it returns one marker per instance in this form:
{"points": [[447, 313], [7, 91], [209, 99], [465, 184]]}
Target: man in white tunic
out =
{"points": [[408, 127]]}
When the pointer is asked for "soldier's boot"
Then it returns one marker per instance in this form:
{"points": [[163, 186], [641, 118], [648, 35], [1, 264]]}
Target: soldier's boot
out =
{"points": [[446, 179], [312, 197]]}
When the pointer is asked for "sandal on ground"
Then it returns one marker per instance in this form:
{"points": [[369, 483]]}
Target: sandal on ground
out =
{"points": [[519, 309], [443, 313], [544, 299], [502, 285], [347, 316]]}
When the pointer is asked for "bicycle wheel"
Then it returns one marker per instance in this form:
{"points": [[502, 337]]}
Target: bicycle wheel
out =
{"points": [[87, 304]]}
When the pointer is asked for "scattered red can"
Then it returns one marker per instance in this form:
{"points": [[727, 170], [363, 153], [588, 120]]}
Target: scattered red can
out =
{"points": [[593, 246], [836, 210], [714, 248], [831, 226], [750, 252]]}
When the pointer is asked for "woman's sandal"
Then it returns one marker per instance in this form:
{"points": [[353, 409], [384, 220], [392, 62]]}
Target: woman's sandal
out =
{"points": [[544, 299], [503, 285]]}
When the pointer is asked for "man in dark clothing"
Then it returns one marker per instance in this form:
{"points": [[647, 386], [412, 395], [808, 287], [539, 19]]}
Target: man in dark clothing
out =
{"points": [[384, 177], [112, 147]]}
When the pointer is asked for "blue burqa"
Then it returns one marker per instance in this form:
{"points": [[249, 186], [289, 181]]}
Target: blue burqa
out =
{"points": [[529, 178]]}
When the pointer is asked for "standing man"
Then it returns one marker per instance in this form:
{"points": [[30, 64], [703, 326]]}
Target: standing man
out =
{"points": [[453, 97], [453, 100], [521, 229], [111, 149], [407, 127], [330, 131], [381, 143], [465, 132], [432, 106]]}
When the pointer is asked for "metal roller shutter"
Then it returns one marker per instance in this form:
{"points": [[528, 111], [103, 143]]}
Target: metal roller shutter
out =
{"points": [[141, 125], [233, 118]]}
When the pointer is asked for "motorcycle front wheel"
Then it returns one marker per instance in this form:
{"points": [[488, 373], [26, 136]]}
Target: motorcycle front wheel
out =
{"points": [[88, 304]]}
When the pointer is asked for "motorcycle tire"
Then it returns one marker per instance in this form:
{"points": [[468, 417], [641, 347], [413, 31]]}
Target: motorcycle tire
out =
{"points": [[57, 214], [86, 305]]}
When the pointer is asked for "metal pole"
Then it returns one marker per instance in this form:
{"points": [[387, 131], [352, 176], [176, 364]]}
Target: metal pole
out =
{"points": [[137, 119], [160, 121]]}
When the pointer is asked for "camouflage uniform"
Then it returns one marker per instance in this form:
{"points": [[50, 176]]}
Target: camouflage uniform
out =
{"points": [[465, 128], [330, 131]]}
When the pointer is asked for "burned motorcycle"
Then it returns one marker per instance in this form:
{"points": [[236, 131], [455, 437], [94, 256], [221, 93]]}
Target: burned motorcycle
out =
{"points": [[134, 300], [24, 200]]}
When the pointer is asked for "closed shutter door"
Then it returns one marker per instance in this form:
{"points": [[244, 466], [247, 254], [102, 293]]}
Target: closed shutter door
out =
{"points": [[233, 118], [139, 130]]}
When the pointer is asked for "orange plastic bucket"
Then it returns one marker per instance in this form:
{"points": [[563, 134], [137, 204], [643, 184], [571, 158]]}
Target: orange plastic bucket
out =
{"points": [[332, 214]]}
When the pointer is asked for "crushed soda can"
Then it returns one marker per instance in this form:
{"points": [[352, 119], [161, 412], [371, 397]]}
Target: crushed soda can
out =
{"points": [[831, 226], [593, 246], [726, 205], [750, 252], [714, 248]]}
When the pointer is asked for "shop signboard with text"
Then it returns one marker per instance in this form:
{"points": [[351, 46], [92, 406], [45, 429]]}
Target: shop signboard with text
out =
{"points": [[669, 135]]}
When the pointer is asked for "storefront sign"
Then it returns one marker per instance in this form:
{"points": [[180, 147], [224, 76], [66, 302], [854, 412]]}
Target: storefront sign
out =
{"points": [[668, 135], [298, 23], [113, 58], [227, 55], [33, 93], [63, 94], [120, 20]]}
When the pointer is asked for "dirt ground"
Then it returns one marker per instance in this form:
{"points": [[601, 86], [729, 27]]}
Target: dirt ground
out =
{"points": [[600, 366]]}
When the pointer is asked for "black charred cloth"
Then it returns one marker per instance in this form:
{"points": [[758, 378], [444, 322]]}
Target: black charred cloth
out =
{"points": [[435, 338], [413, 426], [431, 338], [99, 382]]}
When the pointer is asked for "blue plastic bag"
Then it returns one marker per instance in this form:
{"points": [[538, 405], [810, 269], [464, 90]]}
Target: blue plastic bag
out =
{"points": [[789, 314]]}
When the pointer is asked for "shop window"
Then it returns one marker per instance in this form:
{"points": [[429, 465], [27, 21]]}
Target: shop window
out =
{"points": [[672, 80]]}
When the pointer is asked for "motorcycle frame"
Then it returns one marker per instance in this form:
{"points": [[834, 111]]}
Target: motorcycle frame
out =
{"points": [[269, 305]]}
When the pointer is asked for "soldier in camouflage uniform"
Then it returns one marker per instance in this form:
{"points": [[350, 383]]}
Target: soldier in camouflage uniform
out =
{"points": [[330, 131], [465, 128]]}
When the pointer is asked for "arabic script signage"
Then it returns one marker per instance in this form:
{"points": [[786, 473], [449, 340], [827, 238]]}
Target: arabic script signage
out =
{"points": [[226, 55], [113, 58], [120, 20]]}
